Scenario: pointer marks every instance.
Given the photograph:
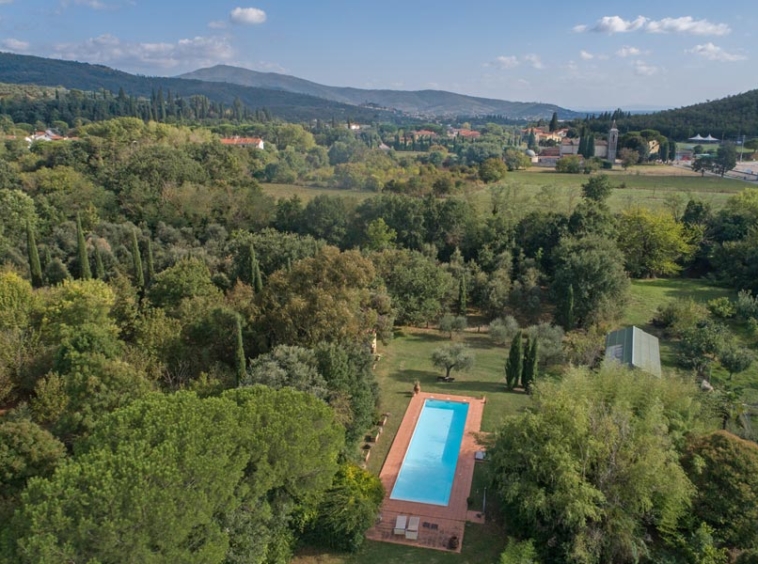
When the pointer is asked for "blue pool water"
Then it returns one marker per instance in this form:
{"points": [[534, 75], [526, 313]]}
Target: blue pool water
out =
{"points": [[428, 469]]}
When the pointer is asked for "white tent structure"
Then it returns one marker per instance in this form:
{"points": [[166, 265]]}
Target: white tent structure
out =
{"points": [[698, 137]]}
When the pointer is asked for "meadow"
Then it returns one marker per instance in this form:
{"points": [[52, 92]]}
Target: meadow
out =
{"points": [[654, 186]]}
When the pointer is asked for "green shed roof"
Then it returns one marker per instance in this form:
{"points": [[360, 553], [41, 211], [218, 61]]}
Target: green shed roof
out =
{"points": [[633, 347]]}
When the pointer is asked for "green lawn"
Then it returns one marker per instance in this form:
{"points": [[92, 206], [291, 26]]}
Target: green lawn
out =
{"points": [[482, 544], [406, 359], [647, 295], [403, 361]]}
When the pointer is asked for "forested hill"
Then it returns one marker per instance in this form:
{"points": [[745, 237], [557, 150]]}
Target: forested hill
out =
{"points": [[290, 106], [420, 102], [726, 119]]}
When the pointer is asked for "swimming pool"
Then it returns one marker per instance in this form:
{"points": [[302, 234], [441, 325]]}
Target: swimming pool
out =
{"points": [[428, 469]]}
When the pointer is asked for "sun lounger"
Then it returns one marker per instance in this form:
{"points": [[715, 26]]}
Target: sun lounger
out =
{"points": [[411, 533], [400, 524]]}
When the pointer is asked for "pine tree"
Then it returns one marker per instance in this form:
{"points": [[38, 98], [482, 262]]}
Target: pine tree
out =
{"points": [[85, 273], [515, 364], [239, 358], [531, 352], [462, 296], [150, 265], [139, 276], [33, 252], [99, 267]]}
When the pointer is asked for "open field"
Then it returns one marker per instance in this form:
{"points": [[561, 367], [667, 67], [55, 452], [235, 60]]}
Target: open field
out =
{"points": [[403, 361], [538, 188], [653, 187]]}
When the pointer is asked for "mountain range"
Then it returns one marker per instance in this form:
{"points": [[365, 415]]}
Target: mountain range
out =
{"points": [[431, 103], [287, 97]]}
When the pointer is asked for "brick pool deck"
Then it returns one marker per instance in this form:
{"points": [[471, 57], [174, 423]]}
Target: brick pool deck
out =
{"points": [[437, 523]]}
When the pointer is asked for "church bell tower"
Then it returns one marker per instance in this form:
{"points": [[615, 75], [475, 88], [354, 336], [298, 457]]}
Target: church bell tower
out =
{"points": [[613, 141]]}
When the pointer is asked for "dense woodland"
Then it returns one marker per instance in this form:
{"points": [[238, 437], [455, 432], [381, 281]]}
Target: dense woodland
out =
{"points": [[727, 119], [185, 368]]}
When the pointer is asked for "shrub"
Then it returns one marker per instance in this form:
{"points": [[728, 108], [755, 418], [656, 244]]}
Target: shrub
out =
{"points": [[571, 164], [746, 306], [679, 315], [722, 308]]}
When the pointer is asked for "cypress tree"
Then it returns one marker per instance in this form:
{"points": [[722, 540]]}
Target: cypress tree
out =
{"points": [[33, 252], [99, 267], [529, 374], [515, 364], [554, 122], [139, 276], [85, 273], [462, 296], [567, 310], [255, 272], [150, 264], [239, 357]]}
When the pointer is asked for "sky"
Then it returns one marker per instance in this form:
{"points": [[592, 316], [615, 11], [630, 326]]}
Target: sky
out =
{"points": [[580, 55]]}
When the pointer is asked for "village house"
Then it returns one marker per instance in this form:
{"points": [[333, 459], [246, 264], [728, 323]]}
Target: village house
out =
{"points": [[47, 135], [256, 142]]}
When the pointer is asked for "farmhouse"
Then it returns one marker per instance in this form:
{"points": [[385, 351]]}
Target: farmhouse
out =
{"points": [[256, 142]]}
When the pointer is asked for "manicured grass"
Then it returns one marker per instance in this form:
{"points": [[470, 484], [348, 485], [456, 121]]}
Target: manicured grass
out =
{"points": [[482, 544], [403, 361], [648, 295], [406, 359]]}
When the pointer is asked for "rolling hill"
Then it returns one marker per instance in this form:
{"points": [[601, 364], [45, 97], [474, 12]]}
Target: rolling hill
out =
{"points": [[420, 102], [291, 106]]}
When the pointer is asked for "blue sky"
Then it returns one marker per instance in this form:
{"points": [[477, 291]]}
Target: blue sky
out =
{"points": [[580, 55]]}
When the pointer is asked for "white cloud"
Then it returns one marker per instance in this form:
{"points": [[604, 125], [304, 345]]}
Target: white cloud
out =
{"points": [[685, 25], [714, 53], [110, 50], [217, 24], [93, 4], [585, 55], [534, 60], [644, 69], [14, 44], [512, 61], [616, 24], [627, 51], [247, 16], [505, 62]]}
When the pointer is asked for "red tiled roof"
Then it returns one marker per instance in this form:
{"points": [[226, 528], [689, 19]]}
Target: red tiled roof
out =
{"points": [[469, 133], [241, 141]]}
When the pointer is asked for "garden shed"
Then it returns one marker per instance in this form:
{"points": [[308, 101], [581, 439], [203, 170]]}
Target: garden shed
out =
{"points": [[633, 347]]}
